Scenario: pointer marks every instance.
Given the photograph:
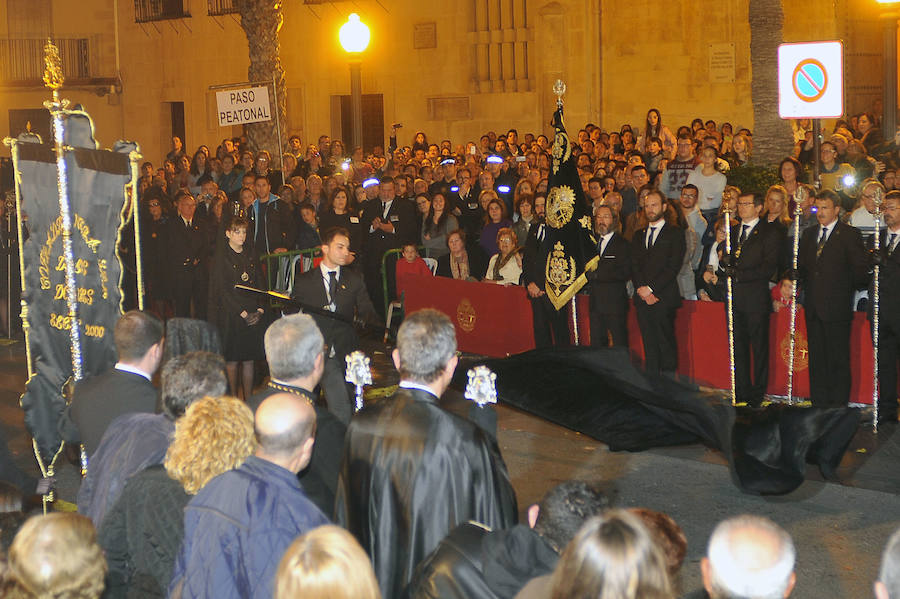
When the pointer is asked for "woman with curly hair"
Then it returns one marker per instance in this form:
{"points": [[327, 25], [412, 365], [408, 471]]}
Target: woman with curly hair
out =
{"points": [[326, 563], [55, 556], [143, 531]]}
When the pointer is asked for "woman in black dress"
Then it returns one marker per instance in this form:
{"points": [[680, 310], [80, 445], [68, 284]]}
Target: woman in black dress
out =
{"points": [[237, 314]]}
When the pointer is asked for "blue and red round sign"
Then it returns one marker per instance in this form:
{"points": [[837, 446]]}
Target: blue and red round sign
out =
{"points": [[810, 80]]}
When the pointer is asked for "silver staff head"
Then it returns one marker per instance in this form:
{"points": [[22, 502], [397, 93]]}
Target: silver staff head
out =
{"points": [[481, 388]]}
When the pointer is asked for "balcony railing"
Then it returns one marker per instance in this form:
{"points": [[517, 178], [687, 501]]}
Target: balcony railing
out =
{"points": [[22, 60], [146, 11], [222, 7]]}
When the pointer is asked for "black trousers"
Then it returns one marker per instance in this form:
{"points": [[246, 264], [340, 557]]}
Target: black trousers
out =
{"points": [[657, 323], [888, 354], [551, 327], [608, 330], [189, 284], [829, 361], [751, 338], [336, 389]]}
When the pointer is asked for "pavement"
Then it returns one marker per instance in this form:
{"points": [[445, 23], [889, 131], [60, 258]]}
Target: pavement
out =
{"points": [[839, 528]]}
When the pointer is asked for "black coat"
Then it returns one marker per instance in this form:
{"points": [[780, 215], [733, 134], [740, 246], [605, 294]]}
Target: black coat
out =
{"points": [[473, 562], [412, 472], [754, 264], [607, 282], [477, 263], [319, 479], [831, 279], [186, 246], [351, 300], [99, 400], [280, 228], [658, 266], [534, 257], [401, 214]]}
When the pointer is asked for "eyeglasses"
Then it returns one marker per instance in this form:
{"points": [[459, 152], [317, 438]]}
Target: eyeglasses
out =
{"points": [[154, 204], [745, 203]]}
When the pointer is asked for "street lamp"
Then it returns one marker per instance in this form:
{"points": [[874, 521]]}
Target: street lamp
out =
{"points": [[889, 92], [354, 36]]}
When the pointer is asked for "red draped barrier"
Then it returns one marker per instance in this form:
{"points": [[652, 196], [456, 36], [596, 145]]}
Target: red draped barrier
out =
{"points": [[496, 321]]}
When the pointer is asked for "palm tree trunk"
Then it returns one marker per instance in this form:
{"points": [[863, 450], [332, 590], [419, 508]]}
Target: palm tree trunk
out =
{"points": [[772, 138], [261, 21]]}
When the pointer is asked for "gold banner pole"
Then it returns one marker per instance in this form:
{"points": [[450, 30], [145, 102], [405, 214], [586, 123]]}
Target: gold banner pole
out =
{"points": [[795, 264], [730, 307], [134, 158], [875, 299]]}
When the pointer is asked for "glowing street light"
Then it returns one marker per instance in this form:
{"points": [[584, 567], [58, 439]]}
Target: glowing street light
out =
{"points": [[354, 36]]}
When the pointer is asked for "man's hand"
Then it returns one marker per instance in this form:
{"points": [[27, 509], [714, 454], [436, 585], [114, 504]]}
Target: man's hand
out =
{"points": [[704, 297], [651, 299], [644, 292], [386, 227], [534, 290], [280, 250], [710, 277]]}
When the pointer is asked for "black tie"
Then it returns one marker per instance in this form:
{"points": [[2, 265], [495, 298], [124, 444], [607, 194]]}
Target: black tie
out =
{"points": [[540, 234], [650, 235], [743, 234], [821, 244], [891, 240], [332, 285]]}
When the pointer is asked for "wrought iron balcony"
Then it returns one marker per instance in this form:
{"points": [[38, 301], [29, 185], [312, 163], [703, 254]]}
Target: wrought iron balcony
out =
{"points": [[222, 7], [22, 60], [146, 11]]}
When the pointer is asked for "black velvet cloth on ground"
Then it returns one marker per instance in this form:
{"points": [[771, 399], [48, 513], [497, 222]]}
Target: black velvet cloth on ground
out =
{"points": [[600, 393]]}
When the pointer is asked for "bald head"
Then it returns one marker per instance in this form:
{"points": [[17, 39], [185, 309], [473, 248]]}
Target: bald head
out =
{"points": [[749, 556], [285, 427]]}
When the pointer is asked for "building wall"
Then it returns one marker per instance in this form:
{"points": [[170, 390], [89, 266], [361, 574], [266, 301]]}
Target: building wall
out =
{"points": [[672, 55]]}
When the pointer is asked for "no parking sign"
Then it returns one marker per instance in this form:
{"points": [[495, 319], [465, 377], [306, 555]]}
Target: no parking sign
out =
{"points": [[811, 80]]}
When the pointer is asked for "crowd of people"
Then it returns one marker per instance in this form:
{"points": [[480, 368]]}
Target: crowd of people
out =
{"points": [[471, 210], [275, 497]]}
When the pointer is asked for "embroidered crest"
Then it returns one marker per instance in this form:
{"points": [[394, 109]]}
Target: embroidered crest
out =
{"points": [[560, 206], [561, 151], [561, 270]]}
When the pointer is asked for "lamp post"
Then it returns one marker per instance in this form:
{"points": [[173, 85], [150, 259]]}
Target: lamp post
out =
{"points": [[889, 92], [354, 36]]}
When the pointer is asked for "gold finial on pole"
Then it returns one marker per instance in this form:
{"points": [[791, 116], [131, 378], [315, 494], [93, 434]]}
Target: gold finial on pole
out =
{"points": [[53, 74]]}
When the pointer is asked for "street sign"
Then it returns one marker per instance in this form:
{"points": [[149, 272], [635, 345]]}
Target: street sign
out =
{"points": [[811, 80], [247, 105]]}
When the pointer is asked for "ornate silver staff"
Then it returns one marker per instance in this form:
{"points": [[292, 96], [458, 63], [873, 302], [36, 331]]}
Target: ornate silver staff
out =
{"points": [[876, 245], [795, 264], [481, 387], [730, 301], [358, 374]]}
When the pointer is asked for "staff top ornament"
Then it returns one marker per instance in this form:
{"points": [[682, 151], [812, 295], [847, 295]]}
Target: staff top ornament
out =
{"points": [[481, 388]]}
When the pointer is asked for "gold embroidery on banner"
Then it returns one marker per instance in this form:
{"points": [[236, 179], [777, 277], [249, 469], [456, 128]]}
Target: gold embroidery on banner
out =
{"points": [[561, 269], [561, 151], [801, 351], [465, 315], [560, 206]]}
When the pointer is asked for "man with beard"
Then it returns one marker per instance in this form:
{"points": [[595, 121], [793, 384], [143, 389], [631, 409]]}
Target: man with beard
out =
{"points": [[657, 253]]}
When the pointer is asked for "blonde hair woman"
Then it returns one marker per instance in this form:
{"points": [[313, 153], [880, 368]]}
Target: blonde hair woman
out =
{"points": [[326, 563], [56, 556], [613, 555]]}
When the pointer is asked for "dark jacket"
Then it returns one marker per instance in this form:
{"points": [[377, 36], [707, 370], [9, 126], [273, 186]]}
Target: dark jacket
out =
{"points": [[411, 473], [534, 257], [831, 279], [131, 443], [99, 400], [607, 282], [141, 535], [350, 299], [236, 526], [658, 266], [755, 262], [401, 215], [319, 479], [279, 226], [475, 563], [186, 247]]}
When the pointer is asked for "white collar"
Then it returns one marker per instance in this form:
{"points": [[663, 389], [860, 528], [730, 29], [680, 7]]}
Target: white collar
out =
{"points": [[750, 223], [325, 270], [419, 386], [133, 370], [608, 236]]}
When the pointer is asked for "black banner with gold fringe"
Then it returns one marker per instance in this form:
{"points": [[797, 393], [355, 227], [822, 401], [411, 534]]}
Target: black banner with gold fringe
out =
{"points": [[92, 184]]}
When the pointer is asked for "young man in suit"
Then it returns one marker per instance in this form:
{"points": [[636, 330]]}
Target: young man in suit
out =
{"points": [[751, 264], [340, 290], [833, 266], [386, 224], [609, 298], [126, 388], [657, 252], [888, 260]]}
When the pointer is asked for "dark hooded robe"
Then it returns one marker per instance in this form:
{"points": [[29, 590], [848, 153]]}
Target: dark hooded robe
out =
{"points": [[411, 473]]}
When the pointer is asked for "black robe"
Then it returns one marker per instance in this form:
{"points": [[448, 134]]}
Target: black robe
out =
{"points": [[411, 473]]}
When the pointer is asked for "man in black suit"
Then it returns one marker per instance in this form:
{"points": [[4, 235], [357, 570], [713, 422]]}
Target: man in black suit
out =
{"points": [[272, 219], [340, 290], [751, 264], [888, 260], [126, 388], [296, 358], [609, 297], [550, 325], [833, 266], [657, 252], [387, 224], [187, 249]]}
